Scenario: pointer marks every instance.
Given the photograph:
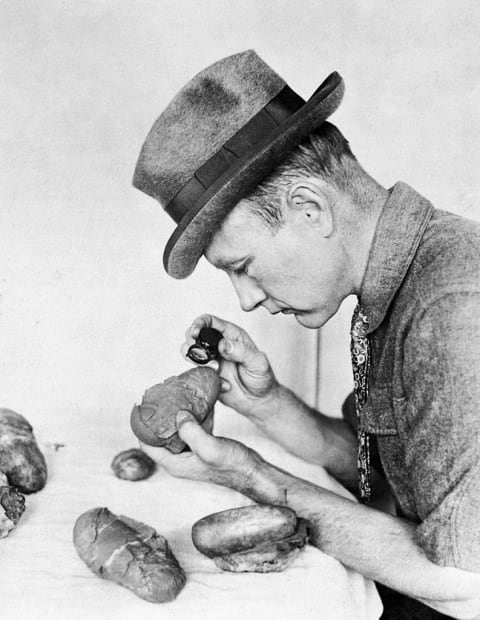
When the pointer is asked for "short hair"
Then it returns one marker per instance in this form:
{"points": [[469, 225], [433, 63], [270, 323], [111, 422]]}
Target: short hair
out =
{"points": [[324, 153]]}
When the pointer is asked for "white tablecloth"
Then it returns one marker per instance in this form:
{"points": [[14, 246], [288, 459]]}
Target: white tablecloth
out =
{"points": [[41, 576]]}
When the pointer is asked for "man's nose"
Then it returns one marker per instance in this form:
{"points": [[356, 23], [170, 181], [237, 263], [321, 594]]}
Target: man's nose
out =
{"points": [[249, 293]]}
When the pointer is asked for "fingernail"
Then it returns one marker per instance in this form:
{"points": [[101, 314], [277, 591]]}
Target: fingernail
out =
{"points": [[182, 416], [227, 346]]}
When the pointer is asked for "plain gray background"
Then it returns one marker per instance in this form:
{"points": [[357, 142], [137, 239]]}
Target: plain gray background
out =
{"points": [[88, 318]]}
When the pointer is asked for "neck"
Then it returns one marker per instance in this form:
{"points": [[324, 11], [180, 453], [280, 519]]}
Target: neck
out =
{"points": [[363, 212]]}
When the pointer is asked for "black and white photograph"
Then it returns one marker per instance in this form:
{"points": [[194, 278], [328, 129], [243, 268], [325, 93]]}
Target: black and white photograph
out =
{"points": [[240, 310]]}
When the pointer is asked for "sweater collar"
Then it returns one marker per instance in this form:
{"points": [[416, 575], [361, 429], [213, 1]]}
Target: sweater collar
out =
{"points": [[398, 233]]}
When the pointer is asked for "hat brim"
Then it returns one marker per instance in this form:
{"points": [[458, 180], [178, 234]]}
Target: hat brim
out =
{"points": [[195, 230]]}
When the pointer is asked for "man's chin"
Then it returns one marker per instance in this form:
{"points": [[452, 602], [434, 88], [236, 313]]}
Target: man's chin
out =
{"points": [[309, 320]]}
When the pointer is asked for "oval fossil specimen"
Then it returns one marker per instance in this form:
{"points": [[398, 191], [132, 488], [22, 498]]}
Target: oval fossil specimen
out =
{"points": [[153, 421]]}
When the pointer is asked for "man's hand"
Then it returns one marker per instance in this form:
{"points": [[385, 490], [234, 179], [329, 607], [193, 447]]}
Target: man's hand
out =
{"points": [[248, 382], [376, 545], [212, 459]]}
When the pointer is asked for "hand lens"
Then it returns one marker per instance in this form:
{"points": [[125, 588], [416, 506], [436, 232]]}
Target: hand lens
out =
{"points": [[205, 348]]}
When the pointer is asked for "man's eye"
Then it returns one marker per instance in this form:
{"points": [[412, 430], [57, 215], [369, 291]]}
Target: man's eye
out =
{"points": [[242, 270]]}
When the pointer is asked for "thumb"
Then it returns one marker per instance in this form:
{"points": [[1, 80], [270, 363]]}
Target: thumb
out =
{"points": [[244, 352], [191, 432]]}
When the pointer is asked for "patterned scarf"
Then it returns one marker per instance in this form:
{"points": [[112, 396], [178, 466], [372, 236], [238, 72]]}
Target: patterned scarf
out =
{"points": [[360, 349]]}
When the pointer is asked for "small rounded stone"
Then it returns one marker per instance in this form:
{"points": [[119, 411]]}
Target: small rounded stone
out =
{"points": [[133, 464], [12, 505]]}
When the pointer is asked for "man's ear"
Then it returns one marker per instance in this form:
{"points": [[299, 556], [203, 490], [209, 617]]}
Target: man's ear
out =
{"points": [[310, 203]]}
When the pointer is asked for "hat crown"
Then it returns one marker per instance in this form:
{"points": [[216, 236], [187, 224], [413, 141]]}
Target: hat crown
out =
{"points": [[203, 115]]}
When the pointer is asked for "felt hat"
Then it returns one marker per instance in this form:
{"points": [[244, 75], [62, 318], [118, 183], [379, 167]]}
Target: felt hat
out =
{"points": [[219, 137]]}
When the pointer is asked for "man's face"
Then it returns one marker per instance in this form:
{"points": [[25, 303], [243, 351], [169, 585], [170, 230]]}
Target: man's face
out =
{"points": [[294, 270]]}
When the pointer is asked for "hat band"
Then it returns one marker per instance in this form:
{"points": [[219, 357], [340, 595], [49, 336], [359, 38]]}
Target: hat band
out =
{"points": [[240, 145]]}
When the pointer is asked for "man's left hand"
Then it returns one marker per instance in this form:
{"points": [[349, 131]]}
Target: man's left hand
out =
{"points": [[212, 459]]}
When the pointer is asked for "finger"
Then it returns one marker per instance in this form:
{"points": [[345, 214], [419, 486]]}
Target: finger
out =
{"points": [[227, 329], [236, 345], [192, 332], [244, 351], [198, 440], [204, 320]]}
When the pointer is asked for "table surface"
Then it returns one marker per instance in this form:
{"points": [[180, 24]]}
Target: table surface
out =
{"points": [[42, 577]]}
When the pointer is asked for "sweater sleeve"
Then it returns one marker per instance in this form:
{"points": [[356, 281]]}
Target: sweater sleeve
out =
{"points": [[442, 383]]}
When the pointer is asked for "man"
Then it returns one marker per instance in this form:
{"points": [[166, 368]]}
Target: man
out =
{"points": [[266, 189]]}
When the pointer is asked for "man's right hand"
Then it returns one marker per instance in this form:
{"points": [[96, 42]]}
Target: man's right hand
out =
{"points": [[250, 387], [248, 382]]}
